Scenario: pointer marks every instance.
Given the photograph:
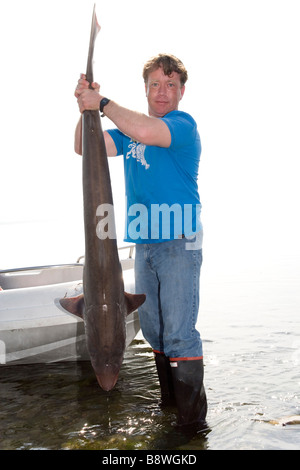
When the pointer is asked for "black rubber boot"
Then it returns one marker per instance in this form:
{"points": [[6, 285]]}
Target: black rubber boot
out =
{"points": [[165, 379], [189, 392]]}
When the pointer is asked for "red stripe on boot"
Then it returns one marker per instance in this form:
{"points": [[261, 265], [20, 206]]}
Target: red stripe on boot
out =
{"points": [[176, 359]]}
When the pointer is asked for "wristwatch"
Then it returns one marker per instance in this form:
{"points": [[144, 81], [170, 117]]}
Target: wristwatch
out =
{"points": [[103, 103]]}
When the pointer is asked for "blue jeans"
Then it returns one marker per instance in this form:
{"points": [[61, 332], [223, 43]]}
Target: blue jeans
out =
{"points": [[169, 274]]}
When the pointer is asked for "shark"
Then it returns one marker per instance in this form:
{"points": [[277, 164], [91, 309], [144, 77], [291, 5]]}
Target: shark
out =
{"points": [[103, 305]]}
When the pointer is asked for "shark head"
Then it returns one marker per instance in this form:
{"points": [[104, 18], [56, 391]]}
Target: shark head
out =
{"points": [[108, 377], [105, 331]]}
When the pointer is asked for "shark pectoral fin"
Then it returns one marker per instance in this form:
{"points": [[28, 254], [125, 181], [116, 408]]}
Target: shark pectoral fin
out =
{"points": [[133, 301], [73, 304]]}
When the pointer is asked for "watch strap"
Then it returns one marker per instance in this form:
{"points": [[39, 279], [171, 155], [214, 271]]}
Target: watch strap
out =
{"points": [[103, 103]]}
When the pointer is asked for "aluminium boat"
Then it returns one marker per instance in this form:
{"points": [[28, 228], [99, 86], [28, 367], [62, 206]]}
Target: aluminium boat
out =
{"points": [[34, 327]]}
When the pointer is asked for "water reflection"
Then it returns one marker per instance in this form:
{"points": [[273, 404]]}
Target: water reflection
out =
{"points": [[61, 406]]}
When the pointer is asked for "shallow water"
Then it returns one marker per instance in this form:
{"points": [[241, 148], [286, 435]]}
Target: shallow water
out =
{"points": [[251, 337], [61, 406]]}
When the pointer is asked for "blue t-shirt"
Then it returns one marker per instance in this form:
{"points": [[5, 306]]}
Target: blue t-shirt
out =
{"points": [[162, 196]]}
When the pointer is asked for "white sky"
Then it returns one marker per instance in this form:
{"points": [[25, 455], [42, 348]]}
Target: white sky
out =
{"points": [[243, 90]]}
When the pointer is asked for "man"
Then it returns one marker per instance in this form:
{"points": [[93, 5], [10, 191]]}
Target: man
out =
{"points": [[161, 159]]}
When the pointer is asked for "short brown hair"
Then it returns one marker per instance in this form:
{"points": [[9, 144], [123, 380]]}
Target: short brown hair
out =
{"points": [[169, 64]]}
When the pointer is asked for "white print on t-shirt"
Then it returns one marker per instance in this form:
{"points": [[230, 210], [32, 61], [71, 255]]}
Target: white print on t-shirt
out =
{"points": [[138, 151]]}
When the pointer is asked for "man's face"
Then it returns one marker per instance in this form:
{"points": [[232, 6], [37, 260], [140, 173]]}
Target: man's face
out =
{"points": [[163, 92]]}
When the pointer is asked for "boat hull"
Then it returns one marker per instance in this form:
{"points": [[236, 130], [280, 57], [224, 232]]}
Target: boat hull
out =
{"points": [[35, 328]]}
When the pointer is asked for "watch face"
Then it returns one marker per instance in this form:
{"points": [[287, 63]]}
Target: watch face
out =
{"points": [[103, 103]]}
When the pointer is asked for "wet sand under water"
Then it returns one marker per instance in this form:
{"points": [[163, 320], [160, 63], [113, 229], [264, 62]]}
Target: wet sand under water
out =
{"points": [[61, 406]]}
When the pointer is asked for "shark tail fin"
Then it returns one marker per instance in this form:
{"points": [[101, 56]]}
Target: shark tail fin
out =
{"points": [[133, 301], [73, 305]]}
